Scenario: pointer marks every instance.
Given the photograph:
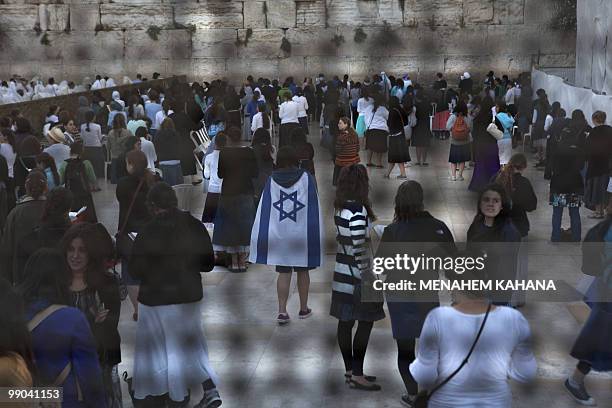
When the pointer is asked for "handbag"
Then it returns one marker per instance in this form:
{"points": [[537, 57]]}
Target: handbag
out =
{"points": [[494, 131], [123, 241], [422, 399], [406, 127]]}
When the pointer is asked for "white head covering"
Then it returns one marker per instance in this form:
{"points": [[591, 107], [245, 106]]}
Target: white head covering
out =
{"points": [[110, 83], [466, 75], [117, 98], [126, 80]]}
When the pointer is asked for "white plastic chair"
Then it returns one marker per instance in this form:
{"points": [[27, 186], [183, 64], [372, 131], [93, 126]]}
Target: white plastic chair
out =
{"points": [[183, 194]]}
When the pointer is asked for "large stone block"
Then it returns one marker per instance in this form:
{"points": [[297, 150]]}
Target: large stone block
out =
{"points": [[174, 67], [210, 14], [310, 13], [364, 13], [207, 69], [509, 11], [388, 42], [263, 43], [478, 11], [539, 11], [214, 43], [433, 13], [58, 15], [254, 16], [280, 14], [27, 46], [18, 17], [558, 60], [135, 17], [327, 65], [84, 17], [108, 46], [470, 40], [312, 41], [174, 44], [239, 68]]}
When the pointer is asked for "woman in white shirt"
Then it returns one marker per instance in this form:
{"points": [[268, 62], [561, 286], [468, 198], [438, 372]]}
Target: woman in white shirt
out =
{"points": [[162, 114], [377, 131], [261, 120], [503, 351], [363, 104], [8, 152], [91, 134], [211, 164], [300, 99], [288, 114]]}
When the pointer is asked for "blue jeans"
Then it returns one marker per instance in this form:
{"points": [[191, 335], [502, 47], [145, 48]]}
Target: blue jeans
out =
{"points": [[172, 174], [575, 223]]}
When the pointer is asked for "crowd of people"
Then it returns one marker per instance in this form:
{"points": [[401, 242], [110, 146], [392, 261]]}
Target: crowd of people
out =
{"points": [[58, 264], [18, 89]]}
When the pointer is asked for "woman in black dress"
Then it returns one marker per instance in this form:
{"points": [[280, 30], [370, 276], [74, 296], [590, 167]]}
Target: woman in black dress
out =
{"points": [[398, 146], [236, 211]]}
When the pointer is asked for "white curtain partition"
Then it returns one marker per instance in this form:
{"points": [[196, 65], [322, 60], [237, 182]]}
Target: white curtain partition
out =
{"points": [[594, 45], [571, 97]]}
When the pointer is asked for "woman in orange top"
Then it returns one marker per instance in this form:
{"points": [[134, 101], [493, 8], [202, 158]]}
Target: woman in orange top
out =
{"points": [[347, 147]]}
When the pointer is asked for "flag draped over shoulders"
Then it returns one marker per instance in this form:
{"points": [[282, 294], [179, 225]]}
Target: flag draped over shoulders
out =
{"points": [[288, 229]]}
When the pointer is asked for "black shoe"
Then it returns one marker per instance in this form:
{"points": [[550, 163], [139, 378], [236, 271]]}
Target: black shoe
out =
{"points": [[370, 378], [370, 387], [579, 394]]}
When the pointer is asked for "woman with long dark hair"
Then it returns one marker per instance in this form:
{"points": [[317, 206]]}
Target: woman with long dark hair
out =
{"points": [[459, 125], [168, 153], [263, 149], [411, 227], [347, 148], [65, 358], [492, 226], [236, 211], [132, 192], [399, 150], [114, 143], [353, 213], [95, 292]]}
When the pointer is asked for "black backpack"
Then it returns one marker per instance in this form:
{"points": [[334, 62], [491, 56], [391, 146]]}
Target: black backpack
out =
{"points": [[75, 177]]}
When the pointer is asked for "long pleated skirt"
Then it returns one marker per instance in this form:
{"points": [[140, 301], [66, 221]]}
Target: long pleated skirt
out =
{"points": [[171, 355]]}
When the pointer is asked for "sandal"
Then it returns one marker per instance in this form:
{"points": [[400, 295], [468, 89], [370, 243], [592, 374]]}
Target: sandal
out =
{"points": [[370, 378], [386, 176], [370, 165], [402, 177]]}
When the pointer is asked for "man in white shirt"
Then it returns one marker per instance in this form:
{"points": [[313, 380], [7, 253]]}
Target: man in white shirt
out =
{"points": [[300, 99]]}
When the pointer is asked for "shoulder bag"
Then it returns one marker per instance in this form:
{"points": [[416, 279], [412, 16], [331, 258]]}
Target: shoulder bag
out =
{"points": [[122, 240], [422, 400]]}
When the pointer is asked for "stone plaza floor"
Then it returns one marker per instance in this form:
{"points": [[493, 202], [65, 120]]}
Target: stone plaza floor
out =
{"points": [[263, 365]]}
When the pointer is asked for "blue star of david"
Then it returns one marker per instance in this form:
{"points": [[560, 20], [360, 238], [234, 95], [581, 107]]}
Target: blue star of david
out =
{"points": [[297, 206]]}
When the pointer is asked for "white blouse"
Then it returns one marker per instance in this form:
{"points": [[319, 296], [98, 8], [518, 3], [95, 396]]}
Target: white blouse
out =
{"points": [[363, 104], [93, 138], [503, 351], [289, 112], [303, 105], [257, 122], [159, 118], [377, 120]]}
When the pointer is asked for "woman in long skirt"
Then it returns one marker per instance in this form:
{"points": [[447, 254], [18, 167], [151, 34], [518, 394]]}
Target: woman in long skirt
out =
{"points": [[399, 152], [486, 154]]}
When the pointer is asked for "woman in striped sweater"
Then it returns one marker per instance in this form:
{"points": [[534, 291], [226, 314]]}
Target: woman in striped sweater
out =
{"points": [[352, 214], [347, 147]]}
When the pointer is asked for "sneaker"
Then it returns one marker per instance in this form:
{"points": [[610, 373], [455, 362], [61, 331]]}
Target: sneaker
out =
{"points": [[283, 319], [579, 394], [305, 314], [460, 177], [408, 400], [211, 399], [452, 178]]}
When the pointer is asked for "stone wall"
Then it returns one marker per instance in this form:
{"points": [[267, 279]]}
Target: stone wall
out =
{"points": [[205, 38]]}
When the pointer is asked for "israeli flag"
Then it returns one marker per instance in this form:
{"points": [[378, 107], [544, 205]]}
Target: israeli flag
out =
{"points": [[288, 230]]}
